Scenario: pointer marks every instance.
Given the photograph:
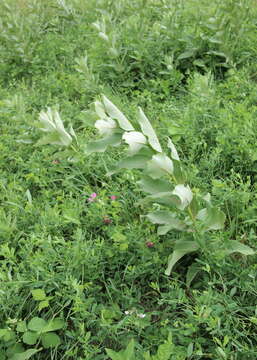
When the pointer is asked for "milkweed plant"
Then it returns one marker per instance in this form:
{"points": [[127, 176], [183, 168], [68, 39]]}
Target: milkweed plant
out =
{"points": [[163, 179]]}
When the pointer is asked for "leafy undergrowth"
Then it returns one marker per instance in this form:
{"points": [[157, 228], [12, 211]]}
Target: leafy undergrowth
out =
{"points": [[81, 267]]}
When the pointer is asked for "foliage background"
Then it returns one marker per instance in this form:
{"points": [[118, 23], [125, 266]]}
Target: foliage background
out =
{"points": [[192, 67]]}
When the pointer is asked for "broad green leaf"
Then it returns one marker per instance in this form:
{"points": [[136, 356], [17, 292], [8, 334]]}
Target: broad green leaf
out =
{"points": [[164, 198], [51, 138], [185, 195], [192, 271], [237, 247], [182, 247], [30, 337], [106, 126], [133, 162], [174, 153], [212, 218], [116, 114], [173, 225], [165, 218], [102, 144], [161, 217], [135, 140], [148, 131], [38, 294], [99, 109], [37, 324], [153, 186], [25, 355], [53, 325], [159, 165], [50, 340]]}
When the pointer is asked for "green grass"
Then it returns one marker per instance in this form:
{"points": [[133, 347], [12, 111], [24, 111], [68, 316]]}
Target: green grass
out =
{"points": [[191, 66]]}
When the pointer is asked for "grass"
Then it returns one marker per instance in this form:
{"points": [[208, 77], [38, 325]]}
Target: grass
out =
{"points": [[191, 66]]}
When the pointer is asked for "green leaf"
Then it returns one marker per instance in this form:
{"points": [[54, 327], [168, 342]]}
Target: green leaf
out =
{"points": [[16, 348], [116, 114], [185, 195], [164, 198], [52, 138], [187, 54], [37, 324], [192, 271], [135, 139], [133, 162], [166, 218], [237, 247], [165, 350], [161, 217], [38, 294], [21, 326], [127, 354], [159, 165], [99, 109], [43, 304], [25, 355], [7, 334], [52, 123], [153, 186], [174, 153], [30, 338], [212, 218], [53, 325], [182, 247], [50, 340], [178, 172], [106, 127], [102, 144], [147, 356], [114, 355], [148, 131]]}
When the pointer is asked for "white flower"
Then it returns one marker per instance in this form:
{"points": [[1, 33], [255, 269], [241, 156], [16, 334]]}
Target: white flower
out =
{"points": [[141, 316], [128, 312]]}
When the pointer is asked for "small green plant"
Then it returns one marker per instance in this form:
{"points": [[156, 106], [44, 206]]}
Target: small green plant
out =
{"points": [[178, 207], [35, 332]]}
